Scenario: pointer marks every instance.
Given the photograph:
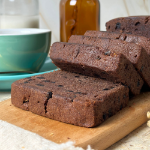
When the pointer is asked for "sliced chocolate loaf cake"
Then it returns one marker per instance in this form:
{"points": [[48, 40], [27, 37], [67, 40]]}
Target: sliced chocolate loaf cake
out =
{"points": [[69, 97], [90, 60], [138, 25], [140, 40], [136, 54]]}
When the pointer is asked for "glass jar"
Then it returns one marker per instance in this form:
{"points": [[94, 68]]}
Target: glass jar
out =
{"points": [[78, 16], [19, 14]]}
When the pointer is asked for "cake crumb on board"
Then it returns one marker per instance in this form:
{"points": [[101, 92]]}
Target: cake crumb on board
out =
{"points": [[148, 116]]}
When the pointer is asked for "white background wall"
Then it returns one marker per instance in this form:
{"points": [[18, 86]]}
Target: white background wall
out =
{"points": [[49, 12]]}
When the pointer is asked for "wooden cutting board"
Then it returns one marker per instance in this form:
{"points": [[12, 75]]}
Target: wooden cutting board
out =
{"points": [[101, 137]]}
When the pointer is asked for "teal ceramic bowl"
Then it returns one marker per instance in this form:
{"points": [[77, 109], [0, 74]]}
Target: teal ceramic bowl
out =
{"points": [[23, 49]]}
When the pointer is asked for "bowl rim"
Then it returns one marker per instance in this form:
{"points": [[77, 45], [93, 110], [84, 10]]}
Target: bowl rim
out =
{"points": [[23, 31]]}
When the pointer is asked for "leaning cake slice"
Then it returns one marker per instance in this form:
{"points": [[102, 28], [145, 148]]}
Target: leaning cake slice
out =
{"points": [[140, 40], [89, 60], [69, 97], [136, 54]]}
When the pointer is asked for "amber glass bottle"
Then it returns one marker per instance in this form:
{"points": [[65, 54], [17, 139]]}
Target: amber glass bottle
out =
{"points": [[78, 16]]}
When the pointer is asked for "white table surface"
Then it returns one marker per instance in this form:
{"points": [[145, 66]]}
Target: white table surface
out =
{"points": [[4, 96]]}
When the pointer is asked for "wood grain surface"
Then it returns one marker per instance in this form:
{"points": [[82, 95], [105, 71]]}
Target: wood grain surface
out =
{"points": [[101, 137]]}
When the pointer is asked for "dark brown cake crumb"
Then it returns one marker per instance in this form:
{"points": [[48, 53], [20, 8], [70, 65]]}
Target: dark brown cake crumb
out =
{"points": [[80, 100], [94, 61], [140, 40], [136, 25], [141, 57]]}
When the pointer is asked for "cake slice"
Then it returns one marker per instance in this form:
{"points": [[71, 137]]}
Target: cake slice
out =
{"points": [[136, 54], [137, 25], [140, 40], [69, 97], [89, 60]]}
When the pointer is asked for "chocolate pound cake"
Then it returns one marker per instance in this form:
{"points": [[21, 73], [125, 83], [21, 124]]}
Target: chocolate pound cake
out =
{"points": [[136, 54], [89, 60], [69, 97], [140, 40], [138, 25]]}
